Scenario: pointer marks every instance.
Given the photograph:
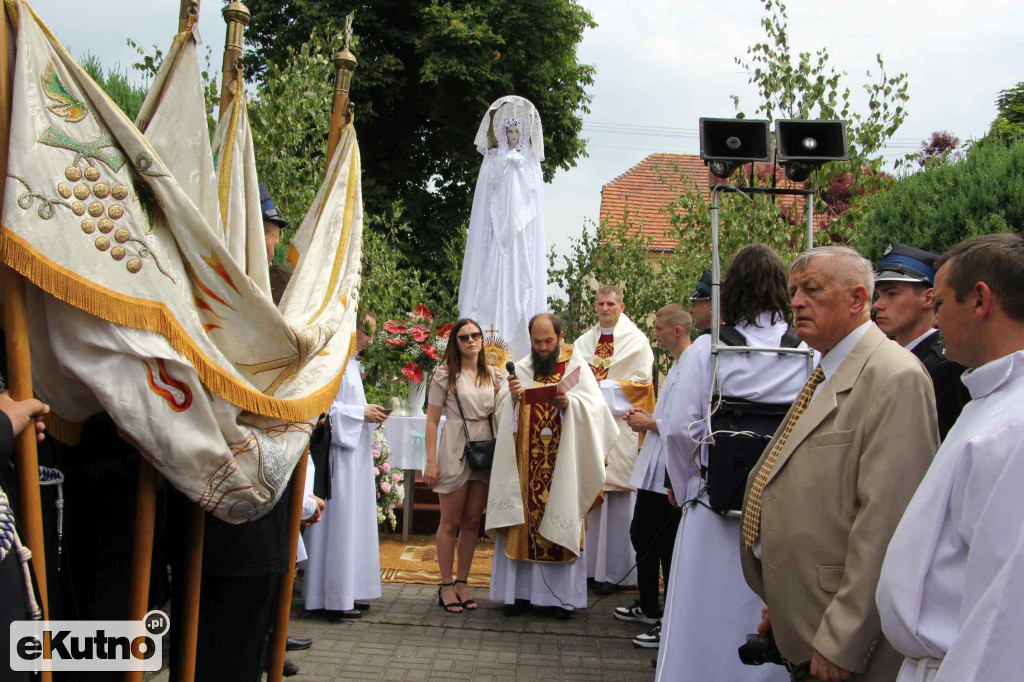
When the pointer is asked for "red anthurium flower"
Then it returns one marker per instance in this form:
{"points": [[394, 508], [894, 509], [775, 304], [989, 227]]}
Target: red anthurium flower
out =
{"points": [[444, 330], [420, 333], [396, 342], [394, 327], [422, 312], [431, 351], [413, 372]]}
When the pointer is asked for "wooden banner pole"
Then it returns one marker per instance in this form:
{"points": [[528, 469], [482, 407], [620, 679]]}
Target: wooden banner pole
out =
{"points": [[236, 15], [19, 358]]}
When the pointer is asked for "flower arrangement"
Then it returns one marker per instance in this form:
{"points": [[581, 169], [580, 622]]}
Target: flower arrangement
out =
{"points": [[417, 343], [388, 482]]}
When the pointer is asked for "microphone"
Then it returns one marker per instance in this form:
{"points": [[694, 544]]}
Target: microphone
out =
{"points": [[510, 367]]}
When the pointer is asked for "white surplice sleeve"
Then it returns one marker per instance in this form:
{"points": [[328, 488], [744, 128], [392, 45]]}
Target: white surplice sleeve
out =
{"points": [[347, 418], [308, 503], [683, 429]]}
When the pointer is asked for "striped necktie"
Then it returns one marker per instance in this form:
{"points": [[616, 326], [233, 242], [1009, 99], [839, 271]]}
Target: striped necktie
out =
{"points": [[752, 513]]}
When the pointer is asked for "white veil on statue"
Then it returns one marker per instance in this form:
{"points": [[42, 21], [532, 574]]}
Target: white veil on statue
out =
{"points": [[504, 273]]}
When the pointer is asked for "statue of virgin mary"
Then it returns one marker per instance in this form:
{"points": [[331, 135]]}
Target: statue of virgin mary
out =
{"points": [[504, 273]]}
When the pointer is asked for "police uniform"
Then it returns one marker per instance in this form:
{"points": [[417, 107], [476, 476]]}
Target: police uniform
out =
{"points": [[902, 263]]}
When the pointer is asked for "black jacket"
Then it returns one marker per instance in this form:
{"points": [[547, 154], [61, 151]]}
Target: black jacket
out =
{"points": [[950, 393]]}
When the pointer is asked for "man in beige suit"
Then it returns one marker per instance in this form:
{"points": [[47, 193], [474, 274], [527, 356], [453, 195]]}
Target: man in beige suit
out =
{"points": [[830, 488]]}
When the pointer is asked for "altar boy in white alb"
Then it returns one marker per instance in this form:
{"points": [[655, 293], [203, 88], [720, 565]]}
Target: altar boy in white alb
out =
{"points": [[951, 592], [344, 562], [622, 361]]}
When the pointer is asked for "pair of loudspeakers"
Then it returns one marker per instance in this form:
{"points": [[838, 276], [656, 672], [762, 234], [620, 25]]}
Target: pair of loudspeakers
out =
{"points": [[802, 146]]}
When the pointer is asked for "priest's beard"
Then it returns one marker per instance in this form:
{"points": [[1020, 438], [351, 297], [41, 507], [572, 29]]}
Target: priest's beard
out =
{"points": [[544, 366]]}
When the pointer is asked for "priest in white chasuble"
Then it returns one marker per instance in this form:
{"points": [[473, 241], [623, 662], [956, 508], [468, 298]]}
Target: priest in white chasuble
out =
{"points": [[951, 592], [553, 433], [622, 361]]}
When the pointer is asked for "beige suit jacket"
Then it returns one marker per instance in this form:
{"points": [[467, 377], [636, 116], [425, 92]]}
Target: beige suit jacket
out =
{"points": [[832, 502]]}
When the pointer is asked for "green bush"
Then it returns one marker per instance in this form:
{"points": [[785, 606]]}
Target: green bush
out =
{"points": [[941, 206]]}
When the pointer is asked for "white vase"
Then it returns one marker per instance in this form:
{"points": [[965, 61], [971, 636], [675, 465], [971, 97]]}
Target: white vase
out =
{"points": [[417, 397]]}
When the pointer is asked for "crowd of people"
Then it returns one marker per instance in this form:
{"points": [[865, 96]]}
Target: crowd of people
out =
{"points": [[837, 474]]}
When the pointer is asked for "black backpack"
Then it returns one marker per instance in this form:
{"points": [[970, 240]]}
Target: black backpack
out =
{"points": [[735, 452]]}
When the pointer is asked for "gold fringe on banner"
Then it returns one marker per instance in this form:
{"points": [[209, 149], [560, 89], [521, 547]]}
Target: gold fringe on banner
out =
{"points": [[60, 429], [111, 306]]}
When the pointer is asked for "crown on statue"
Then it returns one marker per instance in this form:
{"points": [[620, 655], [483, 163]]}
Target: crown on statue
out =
{"points": [[513, 122]]}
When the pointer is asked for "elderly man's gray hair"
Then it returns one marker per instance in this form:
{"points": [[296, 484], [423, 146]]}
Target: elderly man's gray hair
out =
{"points": [[849, 267]]}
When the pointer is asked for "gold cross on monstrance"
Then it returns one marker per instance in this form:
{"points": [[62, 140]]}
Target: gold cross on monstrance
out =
{"points": [[491, 331]]}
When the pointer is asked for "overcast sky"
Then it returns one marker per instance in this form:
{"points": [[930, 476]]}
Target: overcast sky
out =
{"points": [[664, 63]]}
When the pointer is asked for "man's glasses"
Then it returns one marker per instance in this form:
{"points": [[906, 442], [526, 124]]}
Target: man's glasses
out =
{"points": [[360, 329], [469, 336]]}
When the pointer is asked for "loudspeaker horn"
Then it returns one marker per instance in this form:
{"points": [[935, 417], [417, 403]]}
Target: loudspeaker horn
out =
{"points": [[804, 146], [728, 143]]}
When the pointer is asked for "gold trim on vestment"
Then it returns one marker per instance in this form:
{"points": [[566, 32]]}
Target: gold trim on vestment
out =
{"points": [[154, 316], [535, 460]]}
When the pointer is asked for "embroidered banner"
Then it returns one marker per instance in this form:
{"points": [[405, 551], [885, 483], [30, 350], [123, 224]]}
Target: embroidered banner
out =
{"points": [[153, 298]]}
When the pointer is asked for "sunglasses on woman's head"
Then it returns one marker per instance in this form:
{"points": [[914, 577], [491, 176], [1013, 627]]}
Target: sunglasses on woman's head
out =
{"points": [[470, 335]]}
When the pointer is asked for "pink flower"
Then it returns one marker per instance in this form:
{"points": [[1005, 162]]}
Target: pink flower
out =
{"points": [[396, 342], [422, 312], [385, 467], [430, 351], [394, 327], [376, 471], [376, 453], [385, 487], [396, 478], [413, 372], [444, 330], [420, 333]]}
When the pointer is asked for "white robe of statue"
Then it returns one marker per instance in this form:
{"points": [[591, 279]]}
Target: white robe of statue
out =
{"points": [[504, 272], [344, 560], [709, 609]]}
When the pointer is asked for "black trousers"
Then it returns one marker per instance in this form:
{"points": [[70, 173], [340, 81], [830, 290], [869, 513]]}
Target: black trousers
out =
{"points": [[653, 534], [234, 619]]}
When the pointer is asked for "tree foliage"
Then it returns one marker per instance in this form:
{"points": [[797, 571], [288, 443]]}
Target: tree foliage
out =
{"points": [[945, 204], [290, 117], [1009, 124], [116, 83], [795, 84], [426, 74], [803, 85], [613, 252]]}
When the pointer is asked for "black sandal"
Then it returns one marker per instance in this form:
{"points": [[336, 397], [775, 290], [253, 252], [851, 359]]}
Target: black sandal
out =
{"points": [[454, 607], [469, 604]]}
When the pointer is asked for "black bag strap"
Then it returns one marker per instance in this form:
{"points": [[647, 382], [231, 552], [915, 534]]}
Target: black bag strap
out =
{"points": [[731, 336]]}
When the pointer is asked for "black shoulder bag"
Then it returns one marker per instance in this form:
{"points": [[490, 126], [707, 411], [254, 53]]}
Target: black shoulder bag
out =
{"points": [[479, 453]]}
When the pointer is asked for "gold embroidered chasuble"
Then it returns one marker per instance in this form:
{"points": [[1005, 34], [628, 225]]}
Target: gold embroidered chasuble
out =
{"points": [[538, 434], [603, 356]]}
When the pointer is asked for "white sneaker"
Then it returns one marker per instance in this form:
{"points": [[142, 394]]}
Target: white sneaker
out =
{"points": [[650, 639], [634, 614]]}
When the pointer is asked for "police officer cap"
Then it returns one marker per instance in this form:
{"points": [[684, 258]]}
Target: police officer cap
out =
{"points": [[270, 211], [703, 290], [902, 263]]}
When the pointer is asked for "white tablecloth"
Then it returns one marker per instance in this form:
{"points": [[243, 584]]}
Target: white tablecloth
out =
{"points": [[407, 440]]}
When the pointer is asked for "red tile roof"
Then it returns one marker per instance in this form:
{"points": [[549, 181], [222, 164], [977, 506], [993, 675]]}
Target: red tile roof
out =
{"points": [[645, 191]]}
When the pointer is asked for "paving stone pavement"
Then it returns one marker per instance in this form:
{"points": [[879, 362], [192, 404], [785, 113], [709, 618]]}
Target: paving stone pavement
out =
{"points": [[405, 636]]}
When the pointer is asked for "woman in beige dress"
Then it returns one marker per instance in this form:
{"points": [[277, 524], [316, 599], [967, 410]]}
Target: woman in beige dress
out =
{"points": [[463, 492]]}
